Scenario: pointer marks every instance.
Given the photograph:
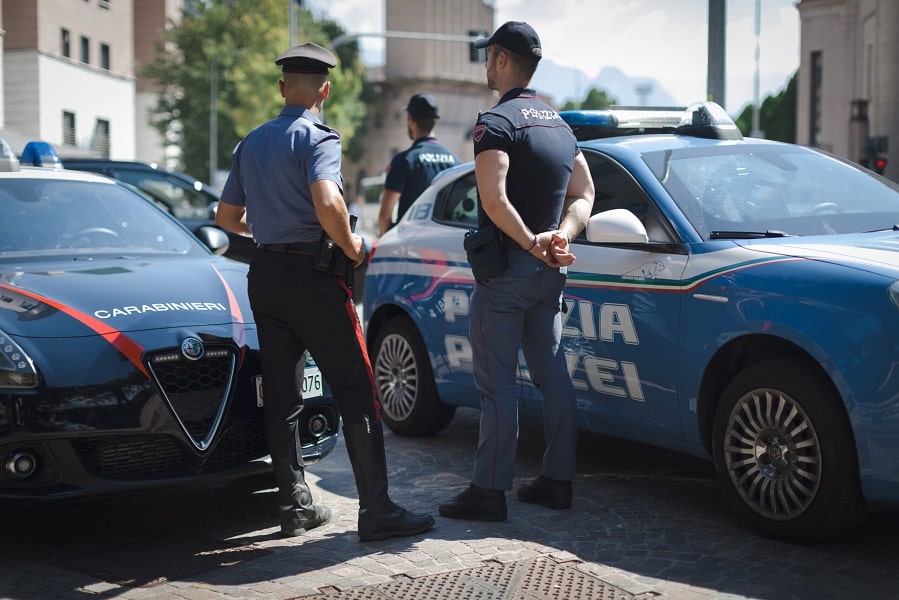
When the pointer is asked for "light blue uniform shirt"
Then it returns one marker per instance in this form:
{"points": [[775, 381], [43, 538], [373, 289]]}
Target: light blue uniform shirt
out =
{"points": [[272, 170]]}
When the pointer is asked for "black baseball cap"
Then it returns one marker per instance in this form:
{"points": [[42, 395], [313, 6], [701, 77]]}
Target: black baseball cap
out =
{"points": [[422, 105], [306, 58], [516, 36]]}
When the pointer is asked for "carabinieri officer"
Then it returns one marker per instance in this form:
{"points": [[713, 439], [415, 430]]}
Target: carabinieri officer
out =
{"points": [[285, 189]]}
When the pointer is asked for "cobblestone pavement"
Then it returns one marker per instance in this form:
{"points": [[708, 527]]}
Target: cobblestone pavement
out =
{"points": [[645, 524]]}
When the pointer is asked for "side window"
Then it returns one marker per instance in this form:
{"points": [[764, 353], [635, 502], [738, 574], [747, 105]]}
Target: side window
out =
{"points": [[457, 203], [615, 188], [180, 200]]}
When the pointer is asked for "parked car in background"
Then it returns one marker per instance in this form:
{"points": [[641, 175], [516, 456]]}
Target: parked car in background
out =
{"points": [[129, 358], [735, 299], [189, 200]]}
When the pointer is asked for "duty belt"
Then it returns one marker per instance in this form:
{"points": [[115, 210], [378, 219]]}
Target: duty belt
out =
{"points": [[307, 248]]}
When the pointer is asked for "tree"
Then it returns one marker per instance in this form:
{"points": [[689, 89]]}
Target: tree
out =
{"points": [[777, 114], [229, 46], [596, 100]]}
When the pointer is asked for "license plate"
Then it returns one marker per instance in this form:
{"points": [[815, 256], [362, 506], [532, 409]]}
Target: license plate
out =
{"points": [[312, 384]]}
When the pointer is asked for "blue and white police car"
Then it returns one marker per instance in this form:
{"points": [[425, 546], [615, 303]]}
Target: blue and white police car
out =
{"points": [[735, 299]]}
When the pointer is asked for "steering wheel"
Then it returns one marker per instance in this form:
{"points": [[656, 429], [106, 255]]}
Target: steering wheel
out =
{"points": [[824, 207], [101, 233]]}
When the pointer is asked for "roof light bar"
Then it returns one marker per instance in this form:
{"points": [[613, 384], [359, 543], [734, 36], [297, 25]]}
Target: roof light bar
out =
{"points": [[702, 119], [708, 120], [40, 154]]}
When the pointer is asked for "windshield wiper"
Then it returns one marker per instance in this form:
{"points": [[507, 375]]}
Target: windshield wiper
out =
{"points": [[747, 235], [893, 228]]}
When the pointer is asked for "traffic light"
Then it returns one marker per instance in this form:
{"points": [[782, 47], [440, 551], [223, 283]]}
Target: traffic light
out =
{"points": [[878, 146]]}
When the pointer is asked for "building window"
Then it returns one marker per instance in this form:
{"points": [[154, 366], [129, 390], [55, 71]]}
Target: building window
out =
{"points": [[85, 50], [104, 56], [477, 55], [103, 4], [68, 128], [65, 47], [817, 74], [101, 137]]}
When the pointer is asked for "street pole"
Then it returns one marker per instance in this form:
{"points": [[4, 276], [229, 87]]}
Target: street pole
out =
{"points": [[756, 85], [213, 119], [716, 51], [292, 5]]}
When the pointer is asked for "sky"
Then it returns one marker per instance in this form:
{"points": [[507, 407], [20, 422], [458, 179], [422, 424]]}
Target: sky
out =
{"points": [[661, 40]]}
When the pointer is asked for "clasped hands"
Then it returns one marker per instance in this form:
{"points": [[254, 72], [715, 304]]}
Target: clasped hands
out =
{"points": [[553, 248]]}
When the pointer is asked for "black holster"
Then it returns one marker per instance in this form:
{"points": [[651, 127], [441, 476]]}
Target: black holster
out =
{"points": [[331, 258]]}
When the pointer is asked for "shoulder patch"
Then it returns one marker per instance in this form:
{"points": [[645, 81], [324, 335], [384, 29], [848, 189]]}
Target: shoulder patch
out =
{"points": [[478, 132]]}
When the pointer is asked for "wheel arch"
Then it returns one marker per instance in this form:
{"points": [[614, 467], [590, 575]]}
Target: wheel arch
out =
{"points": [[379, 317], [739, 354]]}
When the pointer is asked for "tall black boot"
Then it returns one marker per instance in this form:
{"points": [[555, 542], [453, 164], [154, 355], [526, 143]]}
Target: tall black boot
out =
{"points": [[297, 510], [379, 517]]}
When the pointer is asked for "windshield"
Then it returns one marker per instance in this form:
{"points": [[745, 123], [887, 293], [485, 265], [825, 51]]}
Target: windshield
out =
{"points": [[49, 217], [740, 190]]}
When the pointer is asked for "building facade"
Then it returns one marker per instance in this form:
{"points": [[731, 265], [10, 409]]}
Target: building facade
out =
{"points": [[848, 92], [53, 52], [68, 76], [427, 49]]}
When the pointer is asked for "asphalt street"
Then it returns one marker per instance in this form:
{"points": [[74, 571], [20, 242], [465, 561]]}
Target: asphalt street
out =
{"points": [[646, 523]]}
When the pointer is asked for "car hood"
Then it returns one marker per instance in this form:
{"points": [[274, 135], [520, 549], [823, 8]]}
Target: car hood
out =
{"points": [[873, 252], [110, 296]]}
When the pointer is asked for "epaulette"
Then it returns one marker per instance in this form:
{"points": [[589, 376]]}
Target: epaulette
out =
{"points": [[325, 128]]}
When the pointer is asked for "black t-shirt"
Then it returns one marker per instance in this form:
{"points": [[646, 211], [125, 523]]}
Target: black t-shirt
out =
{"points": [[541, 149], [412, 170]]}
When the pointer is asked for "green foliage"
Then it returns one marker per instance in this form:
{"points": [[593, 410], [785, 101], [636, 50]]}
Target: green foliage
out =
{"points": [[239, 40], [596, 100], [777, 115]]}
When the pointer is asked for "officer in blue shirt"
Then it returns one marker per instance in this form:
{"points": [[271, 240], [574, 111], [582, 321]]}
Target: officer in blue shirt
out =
{"points": [[285, 190], [412, 170], [534, 185]]}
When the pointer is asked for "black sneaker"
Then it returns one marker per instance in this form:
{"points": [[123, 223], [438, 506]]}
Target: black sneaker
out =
{"points": [[551, 493], [476, 504]]}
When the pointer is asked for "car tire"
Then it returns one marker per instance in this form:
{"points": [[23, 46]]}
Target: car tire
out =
{"points": [[785, 454], [405, 381]]}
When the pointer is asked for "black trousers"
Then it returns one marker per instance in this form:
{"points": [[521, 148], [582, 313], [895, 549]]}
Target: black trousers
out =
{"points": [[297, 308]]}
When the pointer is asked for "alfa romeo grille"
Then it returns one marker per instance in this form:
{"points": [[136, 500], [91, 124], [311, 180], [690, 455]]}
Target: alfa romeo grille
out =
{"points": [[196, 390], [153, 456], [124, 458]]}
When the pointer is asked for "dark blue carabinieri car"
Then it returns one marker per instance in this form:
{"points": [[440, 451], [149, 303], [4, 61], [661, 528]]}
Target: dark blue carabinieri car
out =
{"points": [[128, 354]]}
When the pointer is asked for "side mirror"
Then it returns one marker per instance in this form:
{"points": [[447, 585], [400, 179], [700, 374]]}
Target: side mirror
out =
{"points": [[213, 238], [616, 226]]}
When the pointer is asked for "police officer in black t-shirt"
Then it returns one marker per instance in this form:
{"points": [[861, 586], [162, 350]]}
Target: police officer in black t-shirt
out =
{"points": [[286, 190], [412, 170], [534, 185]]}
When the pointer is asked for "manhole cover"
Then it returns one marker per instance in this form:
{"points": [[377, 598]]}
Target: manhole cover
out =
{"points": [[153, 561], [536, 579]]}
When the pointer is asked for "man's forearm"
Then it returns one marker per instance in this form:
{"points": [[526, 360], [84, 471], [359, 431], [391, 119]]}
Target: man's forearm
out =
{"points": [[231, 218]]}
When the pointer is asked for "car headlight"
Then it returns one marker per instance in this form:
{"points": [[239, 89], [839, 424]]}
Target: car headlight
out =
{"points": [[16, 368]]}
